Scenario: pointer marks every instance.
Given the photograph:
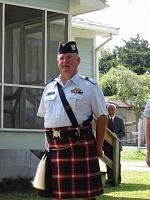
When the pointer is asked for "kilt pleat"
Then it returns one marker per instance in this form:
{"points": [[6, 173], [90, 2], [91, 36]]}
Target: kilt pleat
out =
{"points": [[75, 171]]}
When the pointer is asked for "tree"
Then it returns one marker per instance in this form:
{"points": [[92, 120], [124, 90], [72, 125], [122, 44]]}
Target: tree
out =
{"points": [[108, 82], [134, 55], [107, 61], [127, 86]]}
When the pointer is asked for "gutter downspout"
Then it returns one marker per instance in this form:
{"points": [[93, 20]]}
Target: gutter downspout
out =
{"points": [[96, 70]]}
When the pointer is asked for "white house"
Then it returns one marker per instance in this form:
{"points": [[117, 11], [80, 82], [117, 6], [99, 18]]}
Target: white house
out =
{"points": [[30, 31]]}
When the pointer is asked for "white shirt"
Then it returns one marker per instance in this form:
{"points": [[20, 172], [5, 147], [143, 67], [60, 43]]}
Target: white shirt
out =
{"points": [[147, 108], [90, 101], [111, 118]]}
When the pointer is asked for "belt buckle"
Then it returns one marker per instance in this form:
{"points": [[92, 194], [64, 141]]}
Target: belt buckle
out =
{"points": [[78, 131], [56, 134]]}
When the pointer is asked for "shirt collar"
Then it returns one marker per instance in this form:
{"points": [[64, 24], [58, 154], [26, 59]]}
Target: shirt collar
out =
{"points": [[111, 117], [74, 79]]}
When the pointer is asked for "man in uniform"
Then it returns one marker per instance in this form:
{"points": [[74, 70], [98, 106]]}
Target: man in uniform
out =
{"points": [[147, 130], [74, 150], [116, 125]]}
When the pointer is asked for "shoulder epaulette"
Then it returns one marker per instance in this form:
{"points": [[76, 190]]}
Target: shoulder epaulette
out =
{"points": [[51, 80], [90, 80]]}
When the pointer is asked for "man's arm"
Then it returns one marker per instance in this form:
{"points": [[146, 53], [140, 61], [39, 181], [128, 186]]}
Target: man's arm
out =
{"points": [[101, 125], [147, 136]]}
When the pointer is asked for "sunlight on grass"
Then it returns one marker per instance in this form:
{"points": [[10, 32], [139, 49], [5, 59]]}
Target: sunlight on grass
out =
{"points": [[135, 186], [133, 154]]}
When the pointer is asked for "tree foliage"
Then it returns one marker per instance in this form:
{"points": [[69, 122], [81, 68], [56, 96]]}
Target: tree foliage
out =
{"points": [[107, 61], [127, 86], [134, 55]]}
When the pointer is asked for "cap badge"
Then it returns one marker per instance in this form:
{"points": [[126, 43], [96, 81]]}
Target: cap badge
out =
{"points": [[73, 47]]}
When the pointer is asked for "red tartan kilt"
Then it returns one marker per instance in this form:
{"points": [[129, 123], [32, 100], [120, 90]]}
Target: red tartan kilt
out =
{"points": [[75, 171]]}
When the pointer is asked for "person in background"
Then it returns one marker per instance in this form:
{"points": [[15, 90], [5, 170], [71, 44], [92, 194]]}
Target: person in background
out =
{"points": [[116, 125], [75, 171], [147, 129]]}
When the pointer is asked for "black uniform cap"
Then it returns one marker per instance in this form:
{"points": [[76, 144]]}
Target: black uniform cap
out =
{"points": [[69, 47]]}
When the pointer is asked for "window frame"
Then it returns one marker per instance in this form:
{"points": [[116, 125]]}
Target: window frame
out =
{"points": [[45, 20]]}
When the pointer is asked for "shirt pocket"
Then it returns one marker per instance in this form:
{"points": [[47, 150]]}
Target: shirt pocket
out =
{"points": [[49, 100], [75, 96], [73, 99]]}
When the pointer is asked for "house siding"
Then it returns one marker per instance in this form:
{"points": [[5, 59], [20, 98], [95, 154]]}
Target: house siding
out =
{"points": [[14, 163], [133, 131], [16, 159], [15, 156], [85, 46], [54, 5]]}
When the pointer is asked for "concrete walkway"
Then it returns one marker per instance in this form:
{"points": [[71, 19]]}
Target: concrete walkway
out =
{"points": [[129, 166], [134, 166]]}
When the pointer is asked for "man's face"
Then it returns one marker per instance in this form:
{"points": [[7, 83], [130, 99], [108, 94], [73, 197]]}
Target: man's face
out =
{"points": [[68, 64], [111, 110]]}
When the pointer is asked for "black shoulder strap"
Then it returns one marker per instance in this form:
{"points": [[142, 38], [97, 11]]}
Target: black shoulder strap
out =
{"points": [[90, 80], [67, 107], [51, 80]]}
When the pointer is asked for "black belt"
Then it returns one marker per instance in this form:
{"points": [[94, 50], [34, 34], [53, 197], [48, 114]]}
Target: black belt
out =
{"points": [[65, 134], [69, 128]]}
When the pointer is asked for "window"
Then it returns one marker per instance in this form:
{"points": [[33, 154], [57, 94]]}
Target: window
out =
{"points": [[25, 68], [23, 46], [57, 27], [21, 106]]}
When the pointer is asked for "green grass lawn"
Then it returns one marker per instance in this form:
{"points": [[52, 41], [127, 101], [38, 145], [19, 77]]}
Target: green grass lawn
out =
{"points": [[135, 185], [133, 154]]}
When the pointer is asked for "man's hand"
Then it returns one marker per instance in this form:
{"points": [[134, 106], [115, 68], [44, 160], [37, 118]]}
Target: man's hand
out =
{"points": [[101, 125], [148, 159], [100, 152]]}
